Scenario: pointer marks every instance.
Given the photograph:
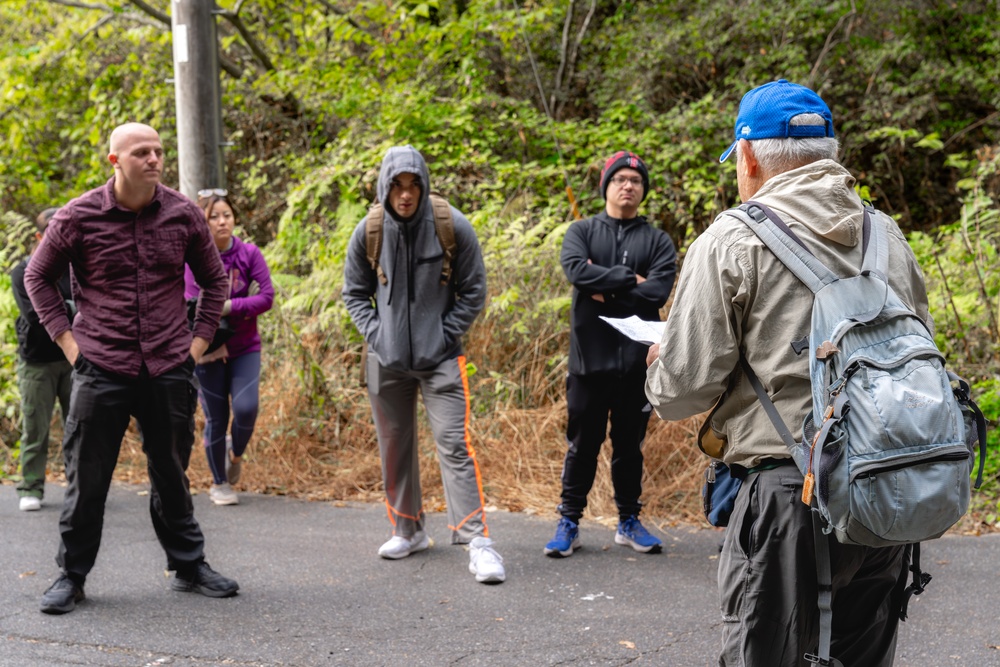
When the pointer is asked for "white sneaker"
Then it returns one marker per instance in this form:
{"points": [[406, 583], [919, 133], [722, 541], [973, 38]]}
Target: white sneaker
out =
{"points": [[223, 494], [400, 547], [485, 562], [30, 504]]}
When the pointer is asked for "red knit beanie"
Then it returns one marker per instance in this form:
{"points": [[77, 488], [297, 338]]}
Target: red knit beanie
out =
{"points": [[621, 160]]}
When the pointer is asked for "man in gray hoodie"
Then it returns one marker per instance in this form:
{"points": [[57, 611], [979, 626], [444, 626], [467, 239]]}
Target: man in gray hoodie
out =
{"points": [[736, 297], [413, 327]]}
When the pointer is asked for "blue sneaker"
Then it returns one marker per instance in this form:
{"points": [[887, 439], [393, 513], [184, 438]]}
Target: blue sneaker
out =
{"points": [[633, 534], [566, 541]]}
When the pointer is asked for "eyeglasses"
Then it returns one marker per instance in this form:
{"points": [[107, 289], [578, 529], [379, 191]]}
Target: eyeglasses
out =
{"points": [[218, 192], [622, 180]]}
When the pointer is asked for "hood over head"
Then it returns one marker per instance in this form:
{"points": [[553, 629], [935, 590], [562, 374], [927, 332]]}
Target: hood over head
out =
{"points": [[403, 160]]}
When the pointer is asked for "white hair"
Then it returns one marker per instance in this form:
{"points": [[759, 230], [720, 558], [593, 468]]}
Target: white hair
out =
{"points": [[776, 156]]}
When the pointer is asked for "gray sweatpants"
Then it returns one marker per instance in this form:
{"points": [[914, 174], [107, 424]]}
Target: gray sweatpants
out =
{"points": [[767, 584], [445, 392]]}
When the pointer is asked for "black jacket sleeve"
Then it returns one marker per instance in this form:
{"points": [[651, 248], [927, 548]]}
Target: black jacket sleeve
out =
{"points": [[24, 305], [661, 273], [587, 277]]}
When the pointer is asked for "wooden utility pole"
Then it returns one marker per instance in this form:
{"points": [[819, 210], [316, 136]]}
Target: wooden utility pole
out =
{"points": [[196, 84]]}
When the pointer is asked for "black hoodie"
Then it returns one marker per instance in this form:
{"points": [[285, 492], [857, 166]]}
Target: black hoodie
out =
{"points": [[617, 251]]}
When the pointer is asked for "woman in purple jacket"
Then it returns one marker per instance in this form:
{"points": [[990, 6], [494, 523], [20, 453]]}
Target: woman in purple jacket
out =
{"points": [[233, 370]]}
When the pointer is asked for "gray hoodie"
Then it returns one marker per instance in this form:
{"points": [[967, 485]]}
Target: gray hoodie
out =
{"points": [[416, 323]]}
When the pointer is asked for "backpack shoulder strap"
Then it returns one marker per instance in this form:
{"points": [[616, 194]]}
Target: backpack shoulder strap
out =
{"points": [[373, 240], [444, 225], [824, 597], [875, 245], [786, 246]]}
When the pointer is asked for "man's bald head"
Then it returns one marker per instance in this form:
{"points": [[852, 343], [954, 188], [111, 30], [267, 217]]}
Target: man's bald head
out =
{"points": [[125, 134], [137, 156]]}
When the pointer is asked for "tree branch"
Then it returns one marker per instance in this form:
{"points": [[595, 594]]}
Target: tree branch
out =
{"points": [[255, 46], [571, 68], [830, 43], [968, 128], [104, 8], [152, 11], [291, 101], [563, 55], [230, 66], [339, 12], [103, 21], [81, 5]]}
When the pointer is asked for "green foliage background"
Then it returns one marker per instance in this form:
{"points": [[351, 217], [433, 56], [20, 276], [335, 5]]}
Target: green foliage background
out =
{"points": [[314, 91]]}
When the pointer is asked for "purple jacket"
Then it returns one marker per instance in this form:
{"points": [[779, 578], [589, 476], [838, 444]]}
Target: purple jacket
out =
{"points": [[128, 271], [244, 264]]}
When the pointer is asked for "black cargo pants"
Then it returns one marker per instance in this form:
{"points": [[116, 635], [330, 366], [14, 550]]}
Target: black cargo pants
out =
{"points": [[768, 589], [100, 407]]}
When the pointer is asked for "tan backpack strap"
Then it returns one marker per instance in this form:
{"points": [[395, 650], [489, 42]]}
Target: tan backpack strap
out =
{"points": [[373, 240], [444, 225]]}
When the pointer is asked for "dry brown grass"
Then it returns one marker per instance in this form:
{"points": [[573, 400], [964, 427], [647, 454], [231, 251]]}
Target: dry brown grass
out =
{"points": [[520, 452]]}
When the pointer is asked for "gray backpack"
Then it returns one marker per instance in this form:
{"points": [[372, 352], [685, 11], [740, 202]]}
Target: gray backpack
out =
{"points": [[889, 445]]}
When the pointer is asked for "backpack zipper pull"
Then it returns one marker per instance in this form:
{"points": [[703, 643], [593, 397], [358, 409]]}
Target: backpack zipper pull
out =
{"points": [[808, 484]]}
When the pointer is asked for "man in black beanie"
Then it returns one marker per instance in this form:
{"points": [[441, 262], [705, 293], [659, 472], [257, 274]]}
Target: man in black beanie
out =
{"points": [[619, 266]]}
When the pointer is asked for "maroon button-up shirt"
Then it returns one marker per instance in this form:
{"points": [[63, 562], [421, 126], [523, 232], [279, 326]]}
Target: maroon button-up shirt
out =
{"points": [[128, 279]]}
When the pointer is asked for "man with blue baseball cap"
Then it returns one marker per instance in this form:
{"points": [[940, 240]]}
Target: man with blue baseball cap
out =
{"points": [[779, 109], [736, 299]]}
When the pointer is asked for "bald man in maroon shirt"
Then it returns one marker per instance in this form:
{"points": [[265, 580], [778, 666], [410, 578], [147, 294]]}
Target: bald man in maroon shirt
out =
{"points": [[132, 352]]}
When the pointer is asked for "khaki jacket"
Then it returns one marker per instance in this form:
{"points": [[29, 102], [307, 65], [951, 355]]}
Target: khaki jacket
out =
{"points": [[734, 294]]}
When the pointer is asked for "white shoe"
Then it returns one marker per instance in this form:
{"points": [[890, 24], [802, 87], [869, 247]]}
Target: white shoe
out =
{"points": [[223, 494], [485, 562], [30, 504], [400, 547]]}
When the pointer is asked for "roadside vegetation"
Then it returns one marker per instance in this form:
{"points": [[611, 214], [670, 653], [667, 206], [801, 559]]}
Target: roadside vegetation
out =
{"points": [[515, 104]]}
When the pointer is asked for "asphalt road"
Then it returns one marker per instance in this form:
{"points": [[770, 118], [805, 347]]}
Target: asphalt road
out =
{"points": [[313, 592]]}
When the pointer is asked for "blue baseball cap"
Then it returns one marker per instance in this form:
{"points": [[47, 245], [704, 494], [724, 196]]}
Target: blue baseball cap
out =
{"points": [[766, 113]]}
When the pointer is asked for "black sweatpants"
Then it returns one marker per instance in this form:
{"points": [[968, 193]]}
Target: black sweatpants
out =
{"points": [[100, 407], [590, 399]]}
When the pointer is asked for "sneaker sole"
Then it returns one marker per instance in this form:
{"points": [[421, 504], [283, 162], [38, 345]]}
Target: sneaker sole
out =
{"points": [[225, 501], [626, 542], [495, 578], [64, 609], [490, 578], [556, 553], [55, 611], [182, 586]]}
